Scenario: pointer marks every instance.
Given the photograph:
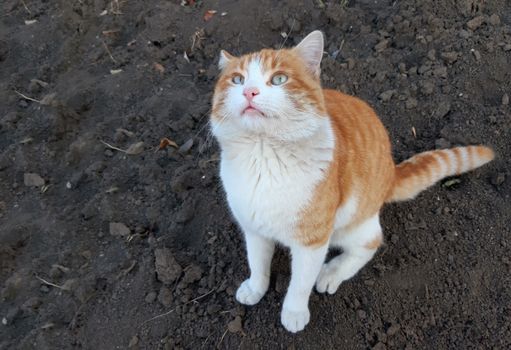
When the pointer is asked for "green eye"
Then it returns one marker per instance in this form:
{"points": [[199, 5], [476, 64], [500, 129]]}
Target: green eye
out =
{"points": [[238, 79], [279, 79]]}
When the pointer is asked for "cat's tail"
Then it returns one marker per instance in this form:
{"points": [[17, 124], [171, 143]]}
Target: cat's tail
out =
{"points": [[424, 169]]}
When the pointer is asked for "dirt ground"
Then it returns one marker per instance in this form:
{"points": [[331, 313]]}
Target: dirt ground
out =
{"points": [[103, 248]]}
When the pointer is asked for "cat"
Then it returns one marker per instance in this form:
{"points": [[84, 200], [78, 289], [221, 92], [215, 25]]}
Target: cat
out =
{"points": [[310, 168]]}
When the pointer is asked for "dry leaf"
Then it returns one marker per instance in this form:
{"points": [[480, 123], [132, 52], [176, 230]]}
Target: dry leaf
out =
{"points": [[135, 148], [414, 132], [103, 13], [159, 67], [186, 57], [115, 71], [164, 142], [112, 189], [26, 140], [209, 14], [452, 182], [30, 21]]}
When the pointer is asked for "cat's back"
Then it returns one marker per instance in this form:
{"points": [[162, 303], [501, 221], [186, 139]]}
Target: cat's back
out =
{"points": [[355, 121], [363, 148]]}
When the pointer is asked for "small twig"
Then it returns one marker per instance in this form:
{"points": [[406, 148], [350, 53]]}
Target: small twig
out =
{"points": [[26, 7], [26, 97], [49, 283], [172, 310], [113, 147], [222, 339], [108, 51]]}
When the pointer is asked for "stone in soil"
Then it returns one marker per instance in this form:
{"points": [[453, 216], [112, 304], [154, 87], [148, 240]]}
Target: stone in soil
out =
{"points": [[165, 296], [167, 268], [235, 326], [119, 229], [475, 23], [33, 180], [150, 297], [192, 274]]}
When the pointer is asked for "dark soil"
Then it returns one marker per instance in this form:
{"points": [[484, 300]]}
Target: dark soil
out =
{"points": [[101, 249]]}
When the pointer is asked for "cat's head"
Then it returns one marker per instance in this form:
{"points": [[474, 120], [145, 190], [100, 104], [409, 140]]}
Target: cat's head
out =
{"points": [[274, 93]]}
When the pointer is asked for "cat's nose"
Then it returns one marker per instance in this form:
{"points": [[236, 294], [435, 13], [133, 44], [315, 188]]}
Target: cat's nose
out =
{"points": [[250, 93]]}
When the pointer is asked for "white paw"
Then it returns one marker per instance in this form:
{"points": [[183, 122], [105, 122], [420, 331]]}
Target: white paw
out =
{"points": [[247, 295], [329, 279], [294, 321]]}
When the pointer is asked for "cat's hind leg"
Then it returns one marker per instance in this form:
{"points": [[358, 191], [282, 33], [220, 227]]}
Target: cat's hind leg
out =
{"points": [[359, 245]]}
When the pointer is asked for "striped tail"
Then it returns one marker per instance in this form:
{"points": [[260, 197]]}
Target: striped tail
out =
{"points": [[424, 169]]}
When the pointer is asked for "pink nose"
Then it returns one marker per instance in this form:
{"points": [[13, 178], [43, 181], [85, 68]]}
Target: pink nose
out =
{"points": [[250, 93]]}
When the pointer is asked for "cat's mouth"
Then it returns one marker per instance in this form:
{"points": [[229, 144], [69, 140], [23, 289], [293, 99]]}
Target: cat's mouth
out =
{"points": [[252, 111]]}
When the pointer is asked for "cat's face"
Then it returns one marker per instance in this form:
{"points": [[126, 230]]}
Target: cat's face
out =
{"points": [[275, 93]]}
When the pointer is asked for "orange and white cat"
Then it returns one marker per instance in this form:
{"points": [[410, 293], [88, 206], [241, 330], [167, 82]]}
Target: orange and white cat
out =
{"points": [[310, 168]]}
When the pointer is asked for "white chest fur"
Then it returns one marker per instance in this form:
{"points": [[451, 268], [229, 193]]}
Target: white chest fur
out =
{"points": [[269, 182]]}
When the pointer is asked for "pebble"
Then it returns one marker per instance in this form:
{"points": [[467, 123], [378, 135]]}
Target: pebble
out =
{"points": [[386, 95], [351, 63], [427, 87], [33, 180], [449, 57], [443, 108], [475, 23], [362, 314], [440, 72], [235, 326], [494, 19], [411, 103], [382, 45], [167, 268], [393, 329], [119, 229], [133, 342], [464, 34], [476, 54], [432, 54], [505, 99], [165, 296], [150, 297], [193, 273]]}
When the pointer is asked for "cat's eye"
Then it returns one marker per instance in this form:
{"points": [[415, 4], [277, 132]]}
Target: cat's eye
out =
{"points": [[279, 79], [238, 79]]}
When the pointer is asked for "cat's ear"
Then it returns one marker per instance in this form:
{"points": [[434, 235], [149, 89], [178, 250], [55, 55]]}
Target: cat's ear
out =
{"points": [[310, 49], [225, 57]]}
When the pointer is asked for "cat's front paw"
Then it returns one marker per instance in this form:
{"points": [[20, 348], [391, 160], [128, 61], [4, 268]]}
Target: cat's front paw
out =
{"points": [[249, 295], [294, 321]]}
